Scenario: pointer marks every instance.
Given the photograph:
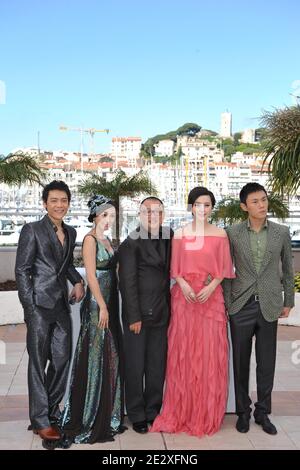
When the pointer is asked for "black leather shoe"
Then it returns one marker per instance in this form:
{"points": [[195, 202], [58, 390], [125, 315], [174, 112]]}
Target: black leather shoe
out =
{"points": [[242, 424], [266, 424], [141, 427], [121, 429]]}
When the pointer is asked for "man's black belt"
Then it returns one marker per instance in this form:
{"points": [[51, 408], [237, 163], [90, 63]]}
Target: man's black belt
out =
{"points": [[253, 298]]}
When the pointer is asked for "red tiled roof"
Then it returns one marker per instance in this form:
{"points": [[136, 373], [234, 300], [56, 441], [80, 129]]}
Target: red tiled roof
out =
{"points": [[126, 139]]}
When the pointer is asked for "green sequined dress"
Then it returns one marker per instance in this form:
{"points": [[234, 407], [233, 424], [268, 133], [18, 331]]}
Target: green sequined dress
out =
{"points": [[93, 411]]}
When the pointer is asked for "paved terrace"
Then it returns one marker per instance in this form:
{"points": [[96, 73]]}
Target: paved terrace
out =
{"points": [[286, 407]]}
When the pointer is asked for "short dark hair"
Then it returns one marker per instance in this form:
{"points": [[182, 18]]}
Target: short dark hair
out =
{"points": [[250, 188], [197, 192], [56, 185], [151, 197]]}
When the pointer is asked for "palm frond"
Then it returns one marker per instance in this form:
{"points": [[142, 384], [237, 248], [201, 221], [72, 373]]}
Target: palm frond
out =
{"points": [[277, 207], [120, 185], [228, 210], [282, 148], [96, 185], [20, 168]]}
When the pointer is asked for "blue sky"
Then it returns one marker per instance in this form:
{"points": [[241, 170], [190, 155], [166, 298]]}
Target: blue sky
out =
{"points": [[141, 67]]}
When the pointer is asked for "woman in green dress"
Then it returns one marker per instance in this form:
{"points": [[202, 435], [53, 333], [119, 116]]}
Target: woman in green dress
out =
{"points": [[93, 411]]}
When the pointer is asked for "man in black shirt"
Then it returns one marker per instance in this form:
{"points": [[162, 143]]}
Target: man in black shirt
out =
{"points": [[144, 259]]}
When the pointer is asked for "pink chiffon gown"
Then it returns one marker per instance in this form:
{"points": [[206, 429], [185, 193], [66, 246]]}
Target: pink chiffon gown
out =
{"points": [[197, 365]]}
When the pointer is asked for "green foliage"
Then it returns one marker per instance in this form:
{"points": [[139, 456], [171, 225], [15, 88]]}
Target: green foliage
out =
{"points": [[297, 282], [249, 149], [237, 137], [212, 133], [120, 185], [228, 210], [231, 146], [148, 148], [227, 141], [78, 261], [282, 146], [163, 159], [190, 128], [260, 134], [20, 168], [209, 138], [229, 150]]}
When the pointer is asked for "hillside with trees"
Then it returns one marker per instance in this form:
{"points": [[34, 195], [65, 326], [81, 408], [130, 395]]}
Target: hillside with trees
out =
{"points": [[229, 145], [189, 129]]}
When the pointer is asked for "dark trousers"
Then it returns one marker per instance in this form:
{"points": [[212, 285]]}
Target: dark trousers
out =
{"points": [[48, 339], [245, 324], [145, 365]]}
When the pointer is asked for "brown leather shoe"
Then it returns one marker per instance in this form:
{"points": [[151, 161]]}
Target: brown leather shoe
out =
{"points": [[49, 433]]}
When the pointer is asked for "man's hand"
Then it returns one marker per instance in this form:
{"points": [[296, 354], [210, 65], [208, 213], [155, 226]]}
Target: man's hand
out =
{"points": [[136, 327], [77, 292], [285, 312]]}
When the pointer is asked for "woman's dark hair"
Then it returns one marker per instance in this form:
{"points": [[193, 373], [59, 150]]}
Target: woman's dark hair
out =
{"points": [[56, 185], [197, 192], [250, 188], [91, 217]]}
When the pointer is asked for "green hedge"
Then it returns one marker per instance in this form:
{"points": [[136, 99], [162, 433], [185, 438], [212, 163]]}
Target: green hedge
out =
{"points": [[297, 282]]}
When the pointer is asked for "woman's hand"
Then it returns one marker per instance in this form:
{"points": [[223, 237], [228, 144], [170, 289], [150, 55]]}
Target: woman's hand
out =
{"points": [[205, 293], [103, 317], [188, 291]]}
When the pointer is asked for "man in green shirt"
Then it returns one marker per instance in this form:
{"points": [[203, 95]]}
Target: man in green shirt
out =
{"points": [[262, 256]]}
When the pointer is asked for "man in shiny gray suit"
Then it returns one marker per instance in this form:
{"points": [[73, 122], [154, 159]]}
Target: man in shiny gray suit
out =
{"points": [[44, 263], [144, 272], [262, 257]]}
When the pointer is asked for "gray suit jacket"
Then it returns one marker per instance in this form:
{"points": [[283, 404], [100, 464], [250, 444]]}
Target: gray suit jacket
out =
{"points": [[41, 271], [272, 278]]}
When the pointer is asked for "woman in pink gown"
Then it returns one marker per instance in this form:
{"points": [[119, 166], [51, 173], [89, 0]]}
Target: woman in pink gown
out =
{"points": [[197, 366]]}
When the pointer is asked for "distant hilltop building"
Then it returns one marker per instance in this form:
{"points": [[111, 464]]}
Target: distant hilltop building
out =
{"points": [[248, 136], [206, 133], [164, 148], [196, 149], [127, 148], [226, 124]]}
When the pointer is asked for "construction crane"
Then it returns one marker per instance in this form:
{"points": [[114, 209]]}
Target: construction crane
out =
{"points": [[82, 131]]}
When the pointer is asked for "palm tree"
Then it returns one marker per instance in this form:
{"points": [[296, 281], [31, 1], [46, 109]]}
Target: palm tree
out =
{"points": [[228, 210], [282, 148], [120, 185], [19, 168]]}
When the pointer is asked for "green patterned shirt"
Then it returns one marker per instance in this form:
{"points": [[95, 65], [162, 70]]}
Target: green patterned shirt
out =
{"points": [[258, 243]]}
